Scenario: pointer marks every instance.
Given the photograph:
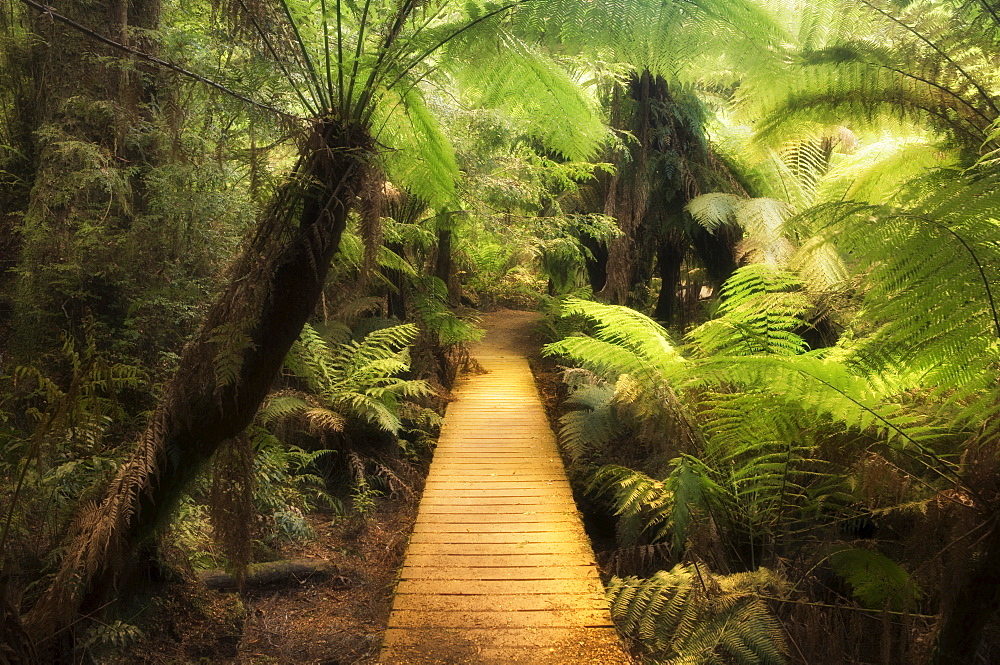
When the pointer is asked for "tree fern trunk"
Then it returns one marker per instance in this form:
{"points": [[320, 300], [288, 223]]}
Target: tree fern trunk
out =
{"points": [[597, 267], [396, 297], [670, 253], [443, 268], [973, 606], [224, 374]]}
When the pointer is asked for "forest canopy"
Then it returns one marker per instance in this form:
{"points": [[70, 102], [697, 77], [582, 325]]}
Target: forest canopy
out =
{"points": [[243, 244]]}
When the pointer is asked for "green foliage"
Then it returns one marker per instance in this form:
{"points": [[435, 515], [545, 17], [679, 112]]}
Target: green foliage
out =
{"points": [[689, 615], [665, 509], [559, 245], [635, 354], [287, 486], [64, 447], [762, 308], [876, 581], [354, 379], [114, 636], [444, 326], [592, 422], [624, 342], [876, 60], [666, 39]]}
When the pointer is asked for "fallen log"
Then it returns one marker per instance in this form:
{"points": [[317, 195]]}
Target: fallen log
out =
{"points": [[274, 575]]}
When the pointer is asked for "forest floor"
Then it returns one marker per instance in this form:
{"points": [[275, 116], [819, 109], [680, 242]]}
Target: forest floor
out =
{"points": [[336, 621]]}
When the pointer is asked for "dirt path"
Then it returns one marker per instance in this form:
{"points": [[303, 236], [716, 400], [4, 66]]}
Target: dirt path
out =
{"points": [[499, 569]]}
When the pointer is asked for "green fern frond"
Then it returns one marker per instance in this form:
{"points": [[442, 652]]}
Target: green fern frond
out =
{"points": [[876, 581], [931, 282], [762, 307], [693, 616], [662, 508], [231, 341], [829, 389], [625, 342], [281, 405], [881, 61], [505, 72], [353, 379], [591, 423], [423, 160]]}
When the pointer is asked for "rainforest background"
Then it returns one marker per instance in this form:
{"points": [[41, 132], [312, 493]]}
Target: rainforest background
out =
{"points": [[243, 243]]}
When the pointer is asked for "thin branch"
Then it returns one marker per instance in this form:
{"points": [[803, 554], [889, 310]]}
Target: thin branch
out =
{"points": [[51, 13], [846, 607]]}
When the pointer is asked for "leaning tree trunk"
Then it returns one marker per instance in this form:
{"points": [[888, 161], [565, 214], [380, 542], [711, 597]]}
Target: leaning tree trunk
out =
{"points": [[225, 372]]}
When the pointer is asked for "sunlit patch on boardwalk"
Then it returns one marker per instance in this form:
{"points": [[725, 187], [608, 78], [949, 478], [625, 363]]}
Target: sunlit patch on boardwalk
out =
{"points": [[499, 569]]}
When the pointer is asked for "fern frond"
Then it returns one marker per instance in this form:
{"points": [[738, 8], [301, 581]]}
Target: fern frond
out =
{"points": [[323, 420], [695, 617], [625, 341], [762, 307], [281, 405], [876, 581], [931, 282], [592, 421]]}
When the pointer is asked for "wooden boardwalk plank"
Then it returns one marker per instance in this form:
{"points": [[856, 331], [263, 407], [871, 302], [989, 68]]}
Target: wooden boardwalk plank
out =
{"points": [[499, 568]]}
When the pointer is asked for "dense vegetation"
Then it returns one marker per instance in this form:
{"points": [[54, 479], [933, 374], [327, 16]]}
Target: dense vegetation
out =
{"points": [[242, 243]]}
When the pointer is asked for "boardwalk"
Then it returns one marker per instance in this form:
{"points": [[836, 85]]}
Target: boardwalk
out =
{"points": [[499, 569]]}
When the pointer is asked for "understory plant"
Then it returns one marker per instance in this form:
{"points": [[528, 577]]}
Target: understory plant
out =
{"points": [[742, 448]]}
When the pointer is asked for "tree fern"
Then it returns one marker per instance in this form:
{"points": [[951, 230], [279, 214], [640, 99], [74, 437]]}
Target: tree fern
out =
{"points": [[878, 59], [931, 283], [636, 354]]}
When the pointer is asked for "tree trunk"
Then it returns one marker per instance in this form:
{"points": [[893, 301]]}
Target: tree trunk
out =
{"points": [[597, 267], [973, 607], [396, 298], [224, 374], [443, 268], [670, 253], [275, 575]]}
